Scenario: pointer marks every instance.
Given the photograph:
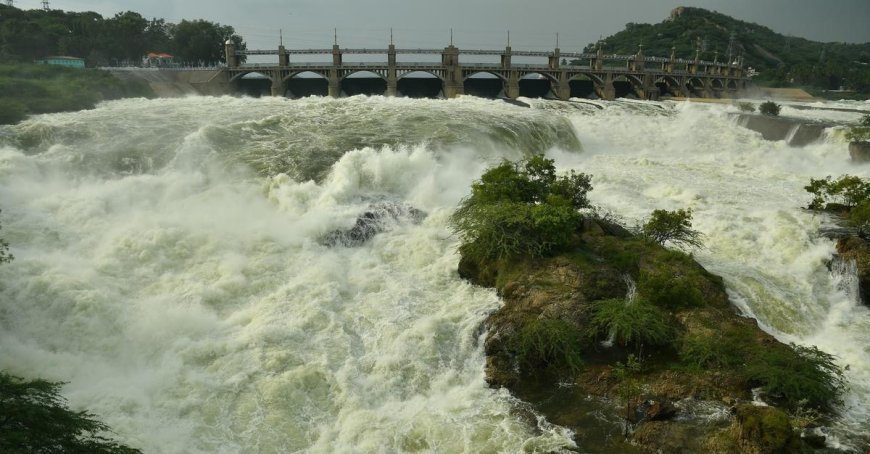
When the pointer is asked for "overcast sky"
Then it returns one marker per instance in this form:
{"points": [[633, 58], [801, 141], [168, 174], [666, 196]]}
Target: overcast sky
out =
{"points": [[476, 23]]}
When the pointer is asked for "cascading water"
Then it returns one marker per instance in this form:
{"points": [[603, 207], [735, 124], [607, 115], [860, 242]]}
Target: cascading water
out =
{"points": [[171, 262]]}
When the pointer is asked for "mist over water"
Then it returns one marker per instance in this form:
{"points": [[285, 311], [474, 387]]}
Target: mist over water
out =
{"points": [[170, 262]]}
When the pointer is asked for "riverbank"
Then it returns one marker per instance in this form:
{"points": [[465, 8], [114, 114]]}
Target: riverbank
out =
{"points": [[27, 89]]}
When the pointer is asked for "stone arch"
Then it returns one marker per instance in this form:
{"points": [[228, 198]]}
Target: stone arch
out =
{"points": [[625, 86], [291, 75], [484, 87], [256, 87], [349, 73], [239, 75], [669, 85], [717, 84], [587, 76], [300, 87], [695, 86], [583, 85], [470, 74], [419, 84], [731, 84], [541, 86], [402, 73], [374, 84]]}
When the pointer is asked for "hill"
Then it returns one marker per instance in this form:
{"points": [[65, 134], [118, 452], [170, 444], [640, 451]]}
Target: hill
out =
{"points": [[784, 61]]}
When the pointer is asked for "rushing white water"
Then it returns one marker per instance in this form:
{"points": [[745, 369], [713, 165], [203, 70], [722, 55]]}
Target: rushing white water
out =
{"points": [[169, 261]]}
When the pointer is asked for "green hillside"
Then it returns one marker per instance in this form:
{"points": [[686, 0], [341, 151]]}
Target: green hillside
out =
{"points": [[781, 60]]}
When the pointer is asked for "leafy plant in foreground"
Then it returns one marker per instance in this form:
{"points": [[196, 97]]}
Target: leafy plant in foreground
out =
{"points": [[34, 418]]}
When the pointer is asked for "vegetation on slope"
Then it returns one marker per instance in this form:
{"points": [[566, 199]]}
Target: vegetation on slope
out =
{"points": [[34, 89], [783, 61], [27, 35]]}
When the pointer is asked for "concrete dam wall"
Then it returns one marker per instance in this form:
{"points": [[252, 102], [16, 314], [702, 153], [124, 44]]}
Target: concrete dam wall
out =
{"points": [[169, 83]]}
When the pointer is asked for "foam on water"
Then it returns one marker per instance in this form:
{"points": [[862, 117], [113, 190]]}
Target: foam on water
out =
{"points": [[169, 262], [746, 195]]}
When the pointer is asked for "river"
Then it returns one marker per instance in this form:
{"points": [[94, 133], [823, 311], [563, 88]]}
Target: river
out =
{"points": [[171, 263]]}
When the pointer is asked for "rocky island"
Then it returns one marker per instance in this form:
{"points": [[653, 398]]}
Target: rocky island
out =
{"points": [[599, 316]]}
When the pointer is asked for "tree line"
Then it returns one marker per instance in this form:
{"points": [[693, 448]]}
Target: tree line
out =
{"points": [[785, 61], [28, 35]]}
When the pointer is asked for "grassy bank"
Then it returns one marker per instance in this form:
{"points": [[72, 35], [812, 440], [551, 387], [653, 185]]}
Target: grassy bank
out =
{"points": [[34, 89]]}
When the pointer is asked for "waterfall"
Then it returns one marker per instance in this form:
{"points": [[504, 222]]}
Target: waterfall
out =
{"points": [[793, 130], [845, 275]]}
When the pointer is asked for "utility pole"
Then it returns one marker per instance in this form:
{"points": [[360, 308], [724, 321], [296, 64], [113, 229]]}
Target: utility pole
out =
{"points": [[8, 2], [45, 5]]}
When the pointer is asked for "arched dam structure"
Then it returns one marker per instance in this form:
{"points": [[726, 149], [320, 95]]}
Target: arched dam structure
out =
{"points": [[592, 74]]}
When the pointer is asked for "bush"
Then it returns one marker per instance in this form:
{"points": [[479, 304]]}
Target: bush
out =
{"points": [[36, 419], [631, 323], [520, 209], [550, 343], [860, 133], [847, 190], [769, 108], [674, 226], [671, 286], [746, 107], [806, 373]]}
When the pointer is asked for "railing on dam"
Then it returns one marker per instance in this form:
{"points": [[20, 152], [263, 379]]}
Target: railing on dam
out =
{"points": [[483, 52], [646, 76]]}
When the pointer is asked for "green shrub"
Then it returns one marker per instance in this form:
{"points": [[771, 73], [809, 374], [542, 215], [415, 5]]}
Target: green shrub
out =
{"points": [[859, 217], [746, 107], [670, 284], [769, 108], [806, 373], [35, 419], [674, 226], [702, 351], [848, 190], [550, 343], [520, 209], [860, 133], [631, 323]]}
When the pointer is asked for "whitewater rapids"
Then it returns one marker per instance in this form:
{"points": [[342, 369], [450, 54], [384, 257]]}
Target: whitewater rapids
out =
{"points": [[170, 263]]}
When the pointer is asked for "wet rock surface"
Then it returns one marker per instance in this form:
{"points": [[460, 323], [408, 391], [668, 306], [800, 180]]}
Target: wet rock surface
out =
{"points": [[378, 218]]}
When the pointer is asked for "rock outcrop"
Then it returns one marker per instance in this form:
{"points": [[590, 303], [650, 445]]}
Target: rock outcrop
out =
{"points": [[859, 151], [550, 304]]}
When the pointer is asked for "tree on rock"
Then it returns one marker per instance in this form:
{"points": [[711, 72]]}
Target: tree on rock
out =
{"points": [[673, 226]]}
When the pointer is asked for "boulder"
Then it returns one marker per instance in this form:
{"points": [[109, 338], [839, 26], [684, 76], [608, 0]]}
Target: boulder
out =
{"points": [[378, 218], [766, 430], [859, 151]]}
